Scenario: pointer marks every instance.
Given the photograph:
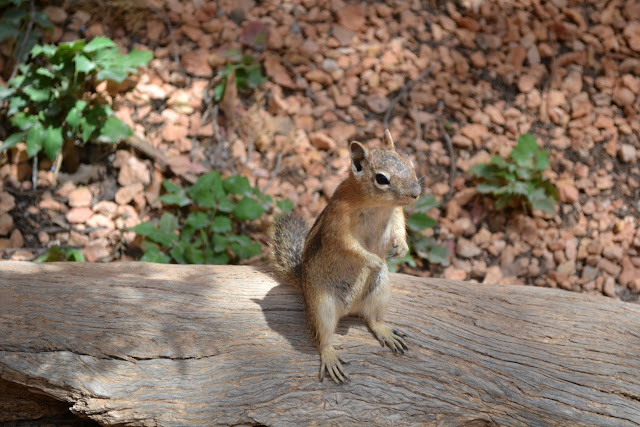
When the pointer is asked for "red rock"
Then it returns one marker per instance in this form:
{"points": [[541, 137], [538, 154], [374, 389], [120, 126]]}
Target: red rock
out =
{"points": [[7, 202], [322, 141], [632, 35], [196, 62], [278, 73], [80, 197], [454, 273], [56, 15], [342, 132], [105, 207], [623, 96], [96, 250], [132, 171], [526, 83], [377, 103], [6, 224], [127, 193], [476, 132], [494, 275], [16, 239], [467, 249], [319, 76], [627, 153], [351, 17], [78, 215]]}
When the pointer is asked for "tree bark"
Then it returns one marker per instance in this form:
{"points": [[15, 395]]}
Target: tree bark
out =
{"points": [[150, 344]]}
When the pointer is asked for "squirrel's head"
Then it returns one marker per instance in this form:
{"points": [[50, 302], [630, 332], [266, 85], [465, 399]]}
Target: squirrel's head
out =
{"points": [[385, 175]]}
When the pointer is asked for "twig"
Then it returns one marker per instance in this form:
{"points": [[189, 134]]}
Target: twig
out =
{"points": [[56, 168], [275, 172], [311, 96], [407, 87], [27, 34], [34, 172], [147, 149], [419, 153], [452, 163]]}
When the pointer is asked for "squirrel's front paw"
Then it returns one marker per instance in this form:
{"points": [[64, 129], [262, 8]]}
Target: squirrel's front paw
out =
{"points": [[391, 337], [374, 262], [333, 365], [399, 248]]}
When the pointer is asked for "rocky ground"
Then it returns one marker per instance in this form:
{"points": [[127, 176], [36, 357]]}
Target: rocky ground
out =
{"points": [[484, 71]]}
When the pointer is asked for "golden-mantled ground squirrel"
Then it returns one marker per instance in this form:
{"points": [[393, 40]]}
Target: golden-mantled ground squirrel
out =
{"points": [[340, 263]]}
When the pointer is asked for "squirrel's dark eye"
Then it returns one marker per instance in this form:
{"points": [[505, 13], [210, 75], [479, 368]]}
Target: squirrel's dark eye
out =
{"points": [[381, 179]]}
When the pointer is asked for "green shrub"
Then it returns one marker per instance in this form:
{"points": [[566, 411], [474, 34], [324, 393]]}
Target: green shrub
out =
{"points": [[420, 245], [55, 254], [209, 232], [14, 20], [248, 73], [518, 182], [47, 103]]}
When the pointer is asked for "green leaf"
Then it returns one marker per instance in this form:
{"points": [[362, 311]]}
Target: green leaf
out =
{"points": [[524, 152], [35, 139], [194, 255], [487, 188], [114, 130], [218, 259], [116, 74], [225, 205], [52, 142], [546, 204], [12, 140], [47, 50], [73, 254], [99, 43], [237, 184], [285, 205], [178, 252], [221, 224], [24, 121], [37, 95], [155, 255], [83, 64], [439, 255], [248, 209], [45, 73], [220, 242], [207, 189], [74, 115], [168, 223], [541, 161], [52, 255], [138, 58], [243, 251], [420, 221], [218, 91], [425, 203], [197, 220], [147, 229]]}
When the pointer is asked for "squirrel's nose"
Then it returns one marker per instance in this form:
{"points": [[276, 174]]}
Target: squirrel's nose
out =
{"points": [[416, 190]]}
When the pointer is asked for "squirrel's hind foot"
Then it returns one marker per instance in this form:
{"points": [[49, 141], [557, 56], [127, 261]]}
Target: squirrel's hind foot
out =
{"points": [[333, 365]]}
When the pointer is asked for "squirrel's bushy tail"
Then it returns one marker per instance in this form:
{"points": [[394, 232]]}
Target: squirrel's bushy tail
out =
{"points": [[287, 236]]}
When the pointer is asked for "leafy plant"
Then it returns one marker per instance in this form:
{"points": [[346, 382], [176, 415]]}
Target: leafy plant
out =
{"points": [[22, 24], [420, 245], [210, 231], [248, 73], [47, 102], [55, 254], [519, 181]]}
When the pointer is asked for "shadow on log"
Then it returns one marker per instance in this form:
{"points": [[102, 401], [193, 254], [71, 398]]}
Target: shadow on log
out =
{"points": [[150, 344]]}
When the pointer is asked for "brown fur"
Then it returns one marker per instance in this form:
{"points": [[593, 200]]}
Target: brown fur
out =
{"points": [[343, 264]]}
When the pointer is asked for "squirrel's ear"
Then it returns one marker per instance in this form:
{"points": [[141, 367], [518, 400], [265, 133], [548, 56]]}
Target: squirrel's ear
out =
{"points": [[359, 155], [388, 141]]}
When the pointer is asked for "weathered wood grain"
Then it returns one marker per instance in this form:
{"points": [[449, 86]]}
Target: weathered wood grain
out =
{"points": [[146, 344]]}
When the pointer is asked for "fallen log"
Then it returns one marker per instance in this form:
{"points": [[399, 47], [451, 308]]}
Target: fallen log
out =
{"points": [[150, 344]]}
